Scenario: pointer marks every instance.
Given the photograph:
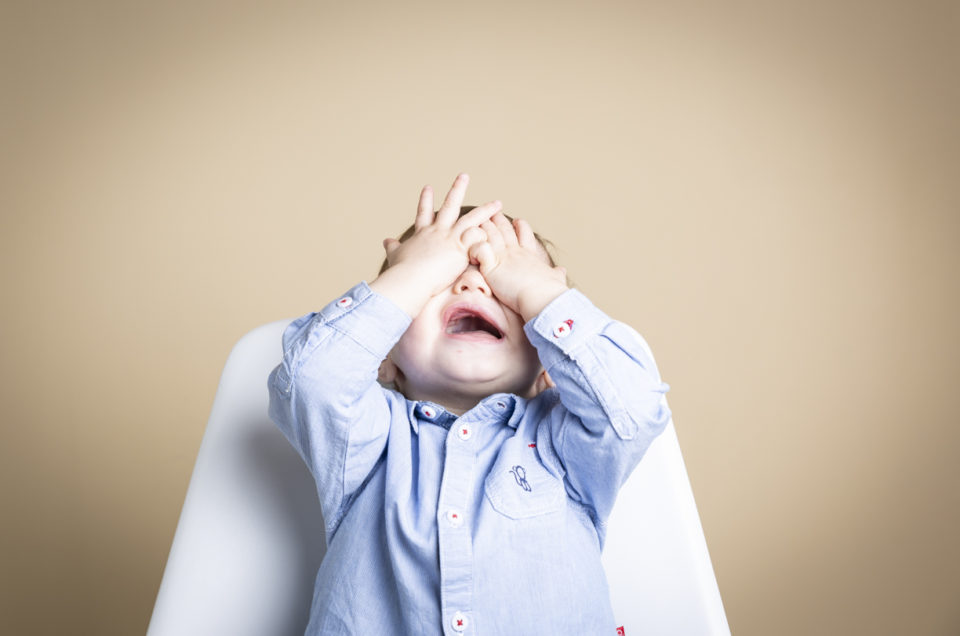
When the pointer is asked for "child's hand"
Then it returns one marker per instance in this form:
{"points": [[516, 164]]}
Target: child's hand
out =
{"points": [[516, 266], [431, 259]]}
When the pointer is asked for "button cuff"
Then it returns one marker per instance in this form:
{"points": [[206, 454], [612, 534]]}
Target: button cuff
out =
{"points": [[563, 329]]}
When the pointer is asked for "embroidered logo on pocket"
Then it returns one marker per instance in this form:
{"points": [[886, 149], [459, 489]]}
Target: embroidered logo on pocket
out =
{"points": [[520, 475], [519, 487]]}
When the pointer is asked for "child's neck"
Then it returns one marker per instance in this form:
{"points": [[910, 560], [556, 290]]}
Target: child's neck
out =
{"points": [[457, 402]]}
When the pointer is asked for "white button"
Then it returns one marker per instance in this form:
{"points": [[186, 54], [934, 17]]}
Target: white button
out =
{"points": [[563, 329], [345, 302], [428, 412], [454, 518], [464, 431], [459, 621]]}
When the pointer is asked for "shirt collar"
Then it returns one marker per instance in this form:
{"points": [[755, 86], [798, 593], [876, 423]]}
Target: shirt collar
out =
{"points": [[506, 408]]}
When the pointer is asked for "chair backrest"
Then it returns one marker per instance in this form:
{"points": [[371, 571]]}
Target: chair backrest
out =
{"points": [[250, 536]]}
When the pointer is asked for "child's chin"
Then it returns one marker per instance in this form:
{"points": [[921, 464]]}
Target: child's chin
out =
{"points": [[477, 378]]}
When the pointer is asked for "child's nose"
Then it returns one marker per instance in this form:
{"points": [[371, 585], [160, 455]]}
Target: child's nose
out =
{"points": [[471, 280]]}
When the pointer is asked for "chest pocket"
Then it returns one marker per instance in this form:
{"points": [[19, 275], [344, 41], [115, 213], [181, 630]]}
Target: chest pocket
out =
{"points": [[520, 487]]}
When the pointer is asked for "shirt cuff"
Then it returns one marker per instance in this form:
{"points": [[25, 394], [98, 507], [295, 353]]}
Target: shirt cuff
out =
{"points": [[371, 320], [567, 323]]}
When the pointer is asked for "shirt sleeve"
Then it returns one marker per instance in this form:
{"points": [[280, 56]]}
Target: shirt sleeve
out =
{"points": [[325, 397], [611, 402]]}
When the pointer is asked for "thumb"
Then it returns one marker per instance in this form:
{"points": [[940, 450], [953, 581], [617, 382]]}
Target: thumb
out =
{"points": [[483, 254], [390, 245]]}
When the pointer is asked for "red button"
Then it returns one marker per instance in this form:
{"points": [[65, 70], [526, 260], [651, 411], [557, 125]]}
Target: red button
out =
{"points": [[563, 329]]}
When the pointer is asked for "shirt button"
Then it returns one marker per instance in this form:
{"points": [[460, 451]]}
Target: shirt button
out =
{"points": [[563, 329], [464, 431], [345, 302], [459, 621], [428, 411], [454, 518]]}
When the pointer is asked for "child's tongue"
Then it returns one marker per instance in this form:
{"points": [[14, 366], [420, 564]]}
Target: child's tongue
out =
{"points": [[471, 324]]}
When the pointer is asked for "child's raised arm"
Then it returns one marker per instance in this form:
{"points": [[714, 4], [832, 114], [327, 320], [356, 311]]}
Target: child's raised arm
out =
{"points": [[324, 394], [610, 395]]}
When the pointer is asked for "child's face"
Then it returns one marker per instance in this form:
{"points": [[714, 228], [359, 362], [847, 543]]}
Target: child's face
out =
{"points": [[463, 346]]}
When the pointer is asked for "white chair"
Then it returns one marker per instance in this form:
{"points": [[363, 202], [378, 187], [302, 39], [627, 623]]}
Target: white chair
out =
{"points": [[250, 536]]}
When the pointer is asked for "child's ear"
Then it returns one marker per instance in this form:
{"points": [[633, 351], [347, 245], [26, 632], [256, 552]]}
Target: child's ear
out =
{"points": [[544, 382], [387, 373]]}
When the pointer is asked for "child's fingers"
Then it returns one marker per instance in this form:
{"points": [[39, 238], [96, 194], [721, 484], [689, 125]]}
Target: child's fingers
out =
{"points": [[472, 236], [525, 234], [424, 208], [482, 254], [477, 216], [494, 237], [506, 230], [450, 210]]}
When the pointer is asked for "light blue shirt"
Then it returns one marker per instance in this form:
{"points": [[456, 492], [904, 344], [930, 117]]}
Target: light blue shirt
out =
{"points": [[487, 523]]}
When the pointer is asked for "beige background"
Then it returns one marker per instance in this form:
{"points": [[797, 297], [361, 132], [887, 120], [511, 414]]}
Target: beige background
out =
{"points": [[768, 193]]}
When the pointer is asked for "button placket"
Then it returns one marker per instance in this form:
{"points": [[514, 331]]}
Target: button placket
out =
{"points": [[454, 518], [455, 545]]}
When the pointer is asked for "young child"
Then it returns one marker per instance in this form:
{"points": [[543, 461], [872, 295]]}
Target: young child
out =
{"points": [[473, 499]]}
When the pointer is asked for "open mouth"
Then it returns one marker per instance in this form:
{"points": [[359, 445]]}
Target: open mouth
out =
{"points": [[468, 321]]}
